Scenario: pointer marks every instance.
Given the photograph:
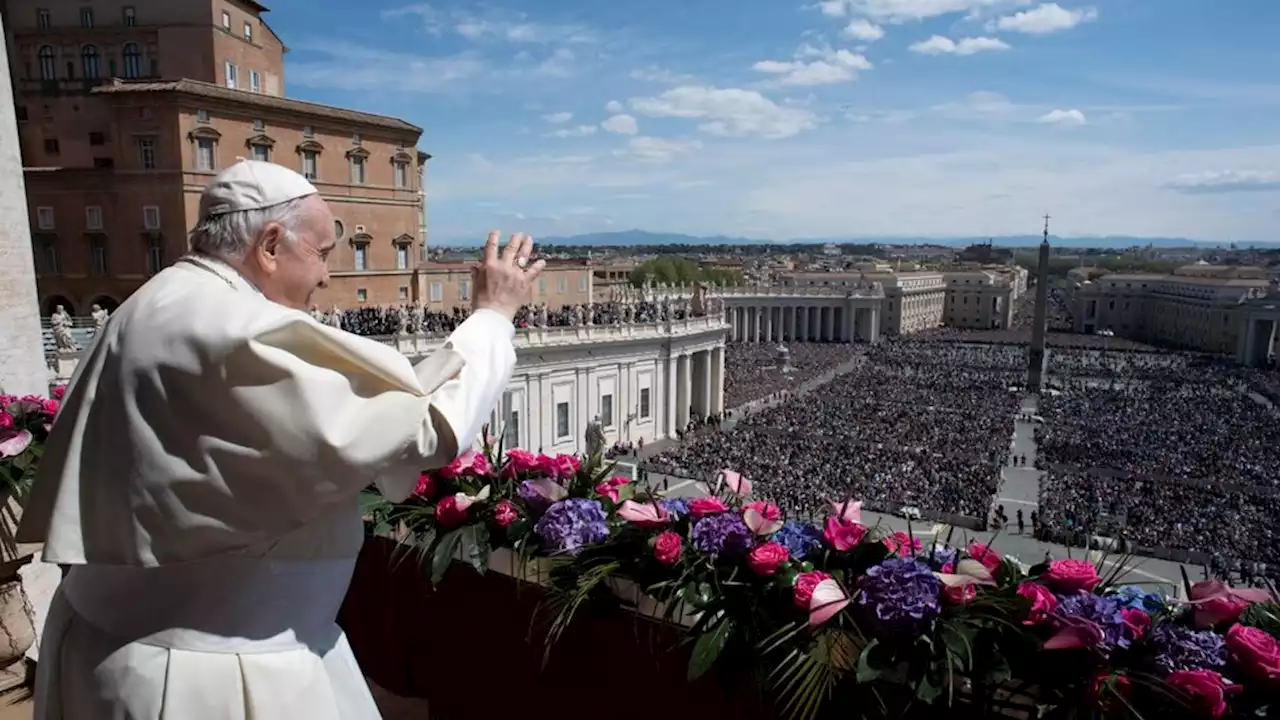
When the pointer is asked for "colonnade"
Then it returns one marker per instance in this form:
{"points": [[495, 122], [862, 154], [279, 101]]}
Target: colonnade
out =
{"points": [[804, 322], [695, 385]]}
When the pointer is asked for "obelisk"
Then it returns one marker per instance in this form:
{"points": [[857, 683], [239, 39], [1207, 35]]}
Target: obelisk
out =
{"points": [[1036, 358]]}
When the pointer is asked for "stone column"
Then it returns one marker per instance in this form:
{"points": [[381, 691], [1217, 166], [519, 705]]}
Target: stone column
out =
{"points": [[22, 366], [684, 390], [873, 322], [828, 323], [717, 380], [672, 394], [705, 391], [768, 324]]}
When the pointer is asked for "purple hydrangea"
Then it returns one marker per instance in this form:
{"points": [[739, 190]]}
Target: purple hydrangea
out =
{"points": [[1103, 611], [942, 555], [533, 498], [1181, 648], [571, 524], [900, 596], [722, 534], [799, 539], [678, 507]]}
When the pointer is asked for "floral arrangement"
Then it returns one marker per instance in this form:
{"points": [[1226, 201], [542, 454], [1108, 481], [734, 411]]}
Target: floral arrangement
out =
{"points": [[844, 615], [24, 426]]}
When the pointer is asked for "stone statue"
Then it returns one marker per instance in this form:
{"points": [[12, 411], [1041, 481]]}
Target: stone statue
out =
{"points": [[540, 315], [594, 437], [628, 312], [334, 318], [415, 317], [61, 323], [589, 314], [402, 320], [100, 317]]}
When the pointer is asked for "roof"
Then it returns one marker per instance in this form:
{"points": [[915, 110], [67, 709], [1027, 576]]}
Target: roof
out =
{"points": [[217, 92]]}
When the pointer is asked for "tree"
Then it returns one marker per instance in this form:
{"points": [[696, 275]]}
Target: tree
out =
{"points": [[673, 270]]}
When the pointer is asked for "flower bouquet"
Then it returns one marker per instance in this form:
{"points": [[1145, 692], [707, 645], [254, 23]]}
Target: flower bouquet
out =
{"points": [[844, 618], [24, 426]]}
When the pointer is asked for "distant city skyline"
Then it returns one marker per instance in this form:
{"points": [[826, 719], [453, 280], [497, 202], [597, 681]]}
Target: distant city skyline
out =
{"points": [[928, 118]]}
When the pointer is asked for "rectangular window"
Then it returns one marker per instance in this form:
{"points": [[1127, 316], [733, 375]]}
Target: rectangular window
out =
{"points": [[93, 217], [562, 420], [51, 265], [403, 292], [361, 294], [51, 146], [357, 170], [309, 164], [86, 18], [361, 257], [402, 257], [97, 138], [151, 217], [464, 290], [44, 218], [542, 286], [226, 21], [402, 175], [22, 113], [130, 16], [202, 116], [510, 422], [606, 411], [204, 154], [102, 163], [308, 131], [155, 256], [357, 139], [562, 285], [230, 71], [582, 283], [97, 256], [259, 125], [248, 32], [255, 81], [644, 403], [43, 20], [261, 153], [436, 292]]}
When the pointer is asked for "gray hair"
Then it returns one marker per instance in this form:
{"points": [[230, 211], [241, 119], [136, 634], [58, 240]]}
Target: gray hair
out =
{"points": [[230, 235]]}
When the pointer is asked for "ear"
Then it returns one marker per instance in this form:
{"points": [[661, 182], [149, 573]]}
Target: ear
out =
{"points": [[269, 245]]}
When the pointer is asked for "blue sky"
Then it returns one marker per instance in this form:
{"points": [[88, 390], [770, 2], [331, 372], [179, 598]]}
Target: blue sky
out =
{"points": [[785, 118]]}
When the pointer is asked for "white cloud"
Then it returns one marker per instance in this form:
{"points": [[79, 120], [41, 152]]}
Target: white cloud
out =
{"points": [[660, 76], [342, 65], [981, 105], [728, 112], [621, 124], [834, 66], [864, 30], [559, 64], [1063, 118], [613, 107], [577, 131], [652, 149], [520, 30], [833, 8], [558, 118], [900, 11], [1045, 19], [1225, 181], [939, 45]]}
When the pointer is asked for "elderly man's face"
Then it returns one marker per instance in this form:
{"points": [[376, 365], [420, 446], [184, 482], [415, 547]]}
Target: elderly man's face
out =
{"points": [[292, 271]]}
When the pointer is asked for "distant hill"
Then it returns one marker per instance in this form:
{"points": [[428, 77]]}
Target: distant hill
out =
{"points": [[626, 238]]}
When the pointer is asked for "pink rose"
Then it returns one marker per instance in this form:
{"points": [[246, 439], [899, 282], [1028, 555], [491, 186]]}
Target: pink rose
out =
{"points": [[1217, 603], [49, 407], [947, 568], [448, 514], [762, 518], [902, 544], [426, 486], [704, 506], [58, 392], [667, 547], [561, 467], [519, 462], [609, 488], [960, 594], [1071, 576], [1256, 653], [989, 558], [505, 513], [843, 535], [1204, 691], [6, 420], [802, 591], [468, 463], [765, 559], [644, 515], [1043, 603], [1138, 622]]}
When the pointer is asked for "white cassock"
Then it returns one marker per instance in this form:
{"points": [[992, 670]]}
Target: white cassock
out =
{"points": [[203, 480]]}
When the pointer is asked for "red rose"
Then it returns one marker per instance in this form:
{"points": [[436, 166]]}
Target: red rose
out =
{"points": [[902, 544], [843, 534], [609, 488], [960, 594], [6, 420], [765, 559], [802, 591], [1071, 576], [50, 407], [448, 514], [989, 558], [505, 513], [59, 391], [426, 486], [468, 463], [1205, 691], [1256, 653], [704, 506], [1138, 622], [667, 547], [519, 462], [1043, 603], [561, 467]]}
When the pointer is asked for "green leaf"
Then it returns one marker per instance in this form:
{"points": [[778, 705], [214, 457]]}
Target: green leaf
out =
{"points": [[959, 641], [475, 546], [866, 671], [927, 690], [708, 648], [446, 548], [1263, 616], [999, 671]]}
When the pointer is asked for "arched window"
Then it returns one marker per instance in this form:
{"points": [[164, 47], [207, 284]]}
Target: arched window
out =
{"points": [[89, 62], [132, 60], [48, 63]]}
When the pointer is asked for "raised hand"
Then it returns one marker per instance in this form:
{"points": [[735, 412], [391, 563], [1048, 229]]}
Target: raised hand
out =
{"points": [[503, 279]]}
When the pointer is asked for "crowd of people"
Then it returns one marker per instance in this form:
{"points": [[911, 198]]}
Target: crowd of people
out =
{"points": [[752, 371], [380, 320]]}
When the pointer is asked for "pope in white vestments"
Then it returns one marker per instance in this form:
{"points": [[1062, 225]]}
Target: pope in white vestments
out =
{"points": [[202, 478]]}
